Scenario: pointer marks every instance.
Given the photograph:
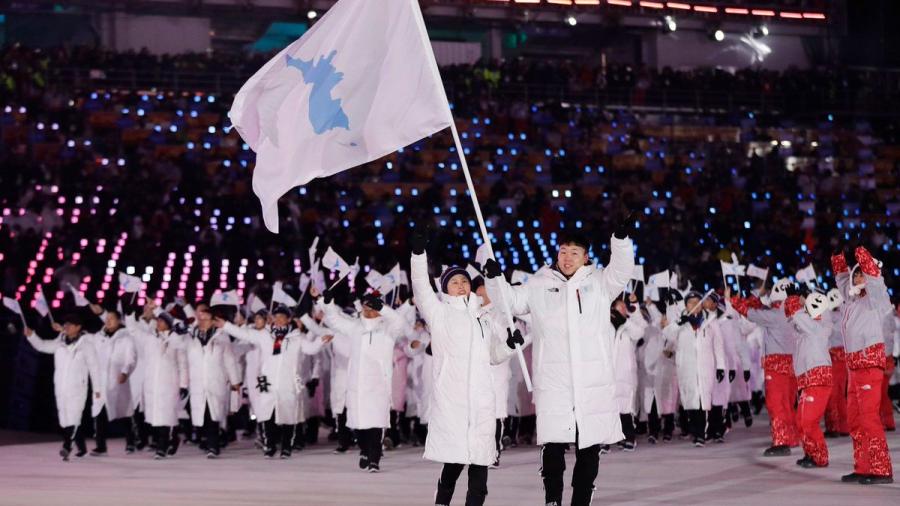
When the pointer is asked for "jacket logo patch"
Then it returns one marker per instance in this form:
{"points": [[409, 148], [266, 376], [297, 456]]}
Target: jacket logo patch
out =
{"points": [[553, 290]]}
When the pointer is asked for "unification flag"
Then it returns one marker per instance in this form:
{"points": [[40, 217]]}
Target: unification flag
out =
{"points": [[332, 261], [12, 305], [281, 297], [758, 272], [130, 284], [360, 84], [80, 299], [229, 298]]}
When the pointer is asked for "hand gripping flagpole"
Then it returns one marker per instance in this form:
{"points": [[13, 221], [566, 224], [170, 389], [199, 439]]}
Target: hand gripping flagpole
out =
{"points": [[465, 167]]}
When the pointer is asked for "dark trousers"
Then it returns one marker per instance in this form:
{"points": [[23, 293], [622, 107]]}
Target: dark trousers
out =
{"points": [[627, 426], [511, 428], [210, 432], [420, 430], [697, 423], [164, 438], [140, 430], [312, 430], [393, 431], [370, 444], [477, 492], [73, 434], [498, 434], [553, 465], [716, 422], [666, 423], [101, 430], [273, 434], [345, 435]]}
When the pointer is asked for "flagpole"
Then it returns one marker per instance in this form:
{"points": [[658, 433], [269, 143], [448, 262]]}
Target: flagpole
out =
{"points": [[487, 240], [429, 52]]}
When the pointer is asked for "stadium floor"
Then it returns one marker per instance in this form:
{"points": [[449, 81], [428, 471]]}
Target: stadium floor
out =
{"points": [[734, 473]]}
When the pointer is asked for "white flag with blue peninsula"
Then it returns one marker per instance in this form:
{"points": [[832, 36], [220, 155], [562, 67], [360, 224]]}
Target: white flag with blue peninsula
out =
{"points": [[360, 84]]}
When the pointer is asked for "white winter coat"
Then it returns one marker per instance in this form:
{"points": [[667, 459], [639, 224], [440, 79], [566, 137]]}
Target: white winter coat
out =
{"points": [[339, 354], [662, 383], [115, 355], [370, 369], [73, 365], [165, 373], [463, 336], [574, 377], [625, 349], [212, 371], [697, 356], [280, 384]]}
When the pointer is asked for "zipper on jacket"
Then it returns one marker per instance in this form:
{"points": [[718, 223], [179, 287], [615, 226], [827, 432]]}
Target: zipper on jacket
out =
{"points": [[578, 296]]}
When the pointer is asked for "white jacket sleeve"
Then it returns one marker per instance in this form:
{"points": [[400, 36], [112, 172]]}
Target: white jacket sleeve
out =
{"points": [[617, 274], [252, 336], [44, 345], [231, 366], [426, 300], [340, 322], [516, 297], [130, 353]]}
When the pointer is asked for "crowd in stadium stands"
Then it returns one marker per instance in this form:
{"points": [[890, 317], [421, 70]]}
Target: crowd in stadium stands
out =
{"points": [[90, 164]]}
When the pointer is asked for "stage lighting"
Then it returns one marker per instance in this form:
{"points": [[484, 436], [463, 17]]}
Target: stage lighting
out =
{"points": [[669, 24], [312, 14], [717, 34], [571, 21], [760, 32]]}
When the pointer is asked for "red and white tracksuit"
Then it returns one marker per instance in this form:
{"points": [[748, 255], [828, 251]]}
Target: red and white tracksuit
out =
{"points": [[861, 325], [836, 412], [887, 408], [779, 341], [812, 365]]}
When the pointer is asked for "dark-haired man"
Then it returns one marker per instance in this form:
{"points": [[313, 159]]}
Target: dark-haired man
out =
{"points": [[574, 379]]}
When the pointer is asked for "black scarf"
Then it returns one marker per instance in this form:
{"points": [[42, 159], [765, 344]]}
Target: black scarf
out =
{"points": [[280, 333], [204, 337]]}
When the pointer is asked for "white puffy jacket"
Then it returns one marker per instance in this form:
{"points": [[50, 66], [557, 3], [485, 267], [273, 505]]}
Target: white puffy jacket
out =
{"points": [[573, 359]]}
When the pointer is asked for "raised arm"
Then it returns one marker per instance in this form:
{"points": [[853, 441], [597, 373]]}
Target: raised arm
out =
{"points": [[426, 300], [617, 274], [252, 336], [337, 320], [43, 345], [877, 295], [841, 274]]}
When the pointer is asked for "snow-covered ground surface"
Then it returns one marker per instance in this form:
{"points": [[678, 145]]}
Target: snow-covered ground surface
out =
{"points": [[733, 473]]}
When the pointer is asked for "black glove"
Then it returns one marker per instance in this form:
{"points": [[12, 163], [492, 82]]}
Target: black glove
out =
{"points": [[328, 296], [640, 342], [418, 240], [373, 302], [731, 375], [428, 350], [513, 338], [792, 289], [683, 319], [720, 375], [183, 393], [491, 268], [311, 386], [625, 226]]}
